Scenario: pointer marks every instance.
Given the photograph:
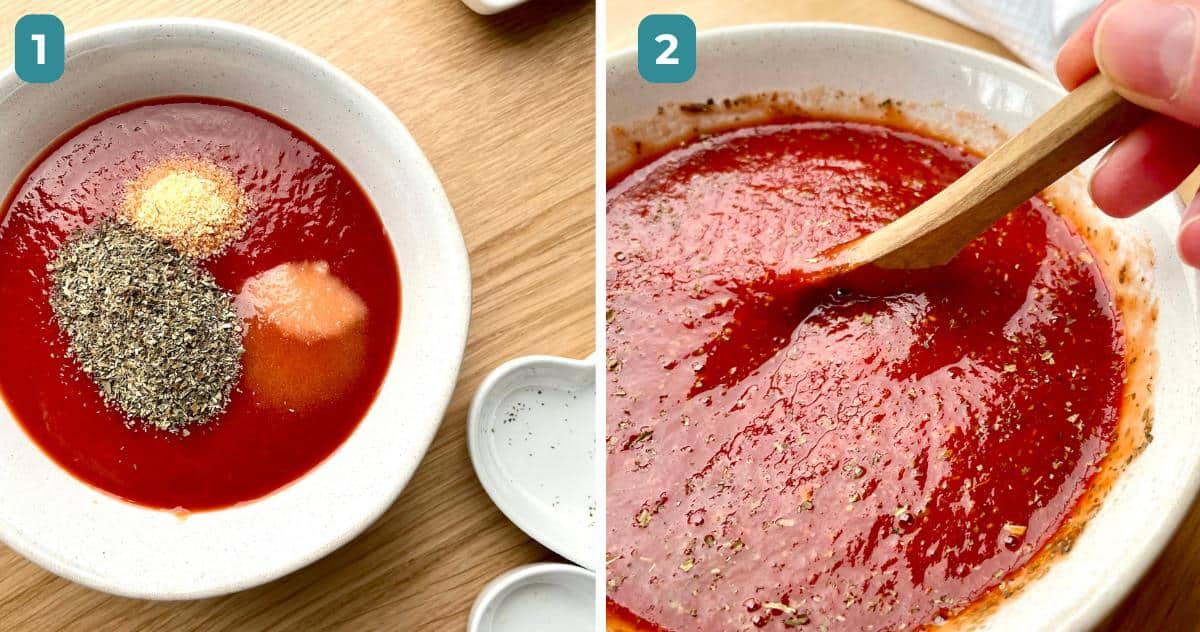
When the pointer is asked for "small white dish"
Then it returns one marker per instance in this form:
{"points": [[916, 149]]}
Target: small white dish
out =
{"points": [[531, 434], [490, 7], [92, 538], [544, 597]]}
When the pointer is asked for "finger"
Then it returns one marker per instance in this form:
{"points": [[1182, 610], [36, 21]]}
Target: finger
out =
{"points": [[1189, 234], [1145, 165], [1075, 61], [1147, 49]]}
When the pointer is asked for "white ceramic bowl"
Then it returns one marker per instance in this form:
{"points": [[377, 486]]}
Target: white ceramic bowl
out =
{"points": [[1150, 498], [90, 537]]}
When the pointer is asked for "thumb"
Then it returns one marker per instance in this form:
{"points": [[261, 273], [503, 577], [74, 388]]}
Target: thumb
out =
{"points": [[1148, 50]]}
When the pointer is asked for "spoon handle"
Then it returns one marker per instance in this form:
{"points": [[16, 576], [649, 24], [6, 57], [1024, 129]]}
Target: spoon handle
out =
{"points": [[1088, 118]]}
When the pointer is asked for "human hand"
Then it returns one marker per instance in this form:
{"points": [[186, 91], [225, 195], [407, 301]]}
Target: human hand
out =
{"points": [[1150, 51]]}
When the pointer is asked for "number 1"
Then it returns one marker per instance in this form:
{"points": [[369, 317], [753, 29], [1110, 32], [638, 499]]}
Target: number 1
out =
{"points": [[665, 57], [41, 48]]}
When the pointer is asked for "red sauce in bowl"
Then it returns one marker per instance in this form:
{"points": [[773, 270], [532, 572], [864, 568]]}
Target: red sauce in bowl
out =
{"points": [[877, 454], [307, 207]]}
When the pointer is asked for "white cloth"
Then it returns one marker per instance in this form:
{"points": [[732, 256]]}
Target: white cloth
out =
{"points": [[1032, 29]]}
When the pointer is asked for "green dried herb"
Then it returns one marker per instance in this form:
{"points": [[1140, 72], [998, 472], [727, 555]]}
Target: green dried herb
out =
{"points": [[797, 621], [154, 330]]}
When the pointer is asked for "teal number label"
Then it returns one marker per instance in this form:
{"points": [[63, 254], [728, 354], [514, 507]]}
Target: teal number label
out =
{"points": [[40, 48], [666, 48]]}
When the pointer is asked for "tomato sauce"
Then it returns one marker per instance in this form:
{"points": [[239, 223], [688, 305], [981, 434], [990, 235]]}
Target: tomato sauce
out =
{"points": [[307, 207], [878, 453]]}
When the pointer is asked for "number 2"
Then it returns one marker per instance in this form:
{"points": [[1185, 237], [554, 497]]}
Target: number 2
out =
{"points": [[41, 48], [665, 57]]}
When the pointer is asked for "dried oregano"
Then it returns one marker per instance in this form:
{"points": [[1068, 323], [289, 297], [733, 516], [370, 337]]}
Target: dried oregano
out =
{"points": [[153, 329]]}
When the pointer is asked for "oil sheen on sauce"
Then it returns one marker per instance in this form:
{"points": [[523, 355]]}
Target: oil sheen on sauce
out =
{"points": [[307, 207], [875, 455]]}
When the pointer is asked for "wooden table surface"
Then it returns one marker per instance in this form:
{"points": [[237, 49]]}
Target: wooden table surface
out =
{"points": [[504, 108], [1168, 597]]}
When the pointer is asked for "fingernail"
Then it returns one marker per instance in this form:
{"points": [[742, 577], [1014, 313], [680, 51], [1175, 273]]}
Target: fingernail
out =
{"points": [[1189, 242], [1147, 47]]}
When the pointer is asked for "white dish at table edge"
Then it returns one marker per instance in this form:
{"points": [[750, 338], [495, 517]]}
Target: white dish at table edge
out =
{"points": [[496, 609], [492, 7], [1151, 497], [97, 540]]}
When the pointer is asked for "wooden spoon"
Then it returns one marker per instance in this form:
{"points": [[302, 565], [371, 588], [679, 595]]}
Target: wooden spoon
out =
{"points": [[1082, 123]]}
